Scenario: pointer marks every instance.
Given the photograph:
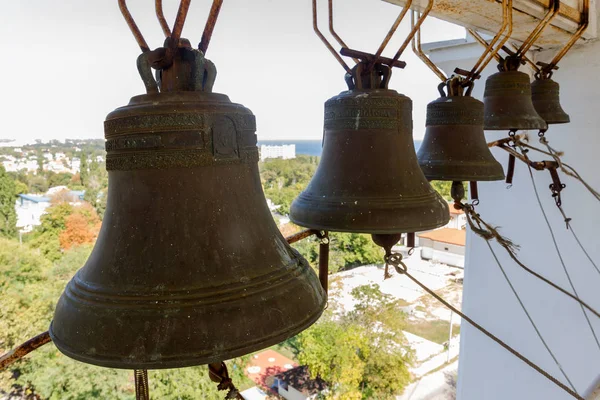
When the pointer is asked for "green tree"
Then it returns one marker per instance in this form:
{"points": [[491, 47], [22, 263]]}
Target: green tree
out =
{"points": [[444, 187], [346, 250], [29, 289], [361, 354], [8, 215], [45, 237]]}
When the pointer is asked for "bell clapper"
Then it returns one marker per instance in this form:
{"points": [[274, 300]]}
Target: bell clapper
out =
{"points": [[218, 373], [324, 259], [142, 390]]}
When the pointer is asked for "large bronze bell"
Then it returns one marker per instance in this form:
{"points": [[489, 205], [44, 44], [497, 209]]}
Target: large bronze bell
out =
{"points": [[368, 179], [189, 267], [546, 100], [507, 101], [454, 146]]}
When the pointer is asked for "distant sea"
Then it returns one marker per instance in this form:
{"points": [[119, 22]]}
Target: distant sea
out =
{"points": [[307, 147]]}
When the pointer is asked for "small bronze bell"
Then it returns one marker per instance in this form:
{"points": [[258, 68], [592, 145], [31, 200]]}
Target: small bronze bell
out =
{"points": [[546, 100], [368, 179], [507, 100], [454, 146], [189, 267]]}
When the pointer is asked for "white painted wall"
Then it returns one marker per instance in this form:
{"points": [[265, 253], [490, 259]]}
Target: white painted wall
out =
{"points": [[487, 371]]}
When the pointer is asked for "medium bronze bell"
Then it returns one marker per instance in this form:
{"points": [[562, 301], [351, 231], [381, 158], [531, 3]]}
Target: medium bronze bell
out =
{"points": [[546, 100], [189, 267], [507, 101], [368, 179], [454, 146]]}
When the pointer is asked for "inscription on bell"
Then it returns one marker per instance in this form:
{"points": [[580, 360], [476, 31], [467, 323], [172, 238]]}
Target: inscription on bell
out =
{"points": [[224, 136]]}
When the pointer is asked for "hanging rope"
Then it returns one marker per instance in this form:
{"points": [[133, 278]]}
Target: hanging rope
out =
{"points": [[562, 262], [396, 261], [488, 232], [537, 331], [522, 141]]}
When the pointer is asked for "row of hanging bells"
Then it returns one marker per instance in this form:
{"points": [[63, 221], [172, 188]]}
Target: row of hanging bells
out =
{"points": [[513, 103], [368, 179], [189, 267]]}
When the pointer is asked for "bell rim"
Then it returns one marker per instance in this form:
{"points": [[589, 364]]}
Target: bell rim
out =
{"points": [[306, 202], [177, 362], [491, 172]]}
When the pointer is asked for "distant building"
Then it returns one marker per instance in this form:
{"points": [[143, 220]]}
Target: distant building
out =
{"points": [[286, 152], [458, 219], [444, 245], [267, 364], [297, 384], [30, 208]]}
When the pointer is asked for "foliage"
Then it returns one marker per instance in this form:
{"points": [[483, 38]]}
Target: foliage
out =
{"points": [[30, 286], [95, 180], [444, 187], [346, 250], [360, 354], [435, 330], [8, 215], [81, 227], [63, 226], [283, 180]]}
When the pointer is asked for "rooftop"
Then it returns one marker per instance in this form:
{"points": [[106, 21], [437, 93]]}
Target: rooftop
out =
{"points": [[299, 378], [267, 363], [446, 235]]}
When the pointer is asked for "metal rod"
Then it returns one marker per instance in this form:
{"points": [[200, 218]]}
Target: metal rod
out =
{"points": [[481, 41], [585, 19], [210, 25], [473, 190], [510, 173], [410, 240], [333, 32], [324, 260], [370, 57], [158, 6], [142, 390], [414, 30], [23, 349], [524, 58], [301, 235], [325, 41], [416, 47], [553, 9], [139, 38], [490, 52], [184, 5], [392, 30]]}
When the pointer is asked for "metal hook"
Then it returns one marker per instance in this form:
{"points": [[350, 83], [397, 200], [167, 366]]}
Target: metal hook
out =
{"points": [[133, 27], [583, 24], [158, 6], [210, 25], [553, 9], [419, 51], [392, 30], [184, 5], [334, 33], [490, 52], [414, 30], [325, 41]]}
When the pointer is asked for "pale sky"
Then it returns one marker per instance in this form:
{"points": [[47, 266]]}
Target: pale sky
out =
{"points": [[68, 63]]}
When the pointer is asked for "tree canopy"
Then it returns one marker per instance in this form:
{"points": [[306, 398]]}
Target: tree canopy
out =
{"points": [[361, 354], [8, 215]]}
